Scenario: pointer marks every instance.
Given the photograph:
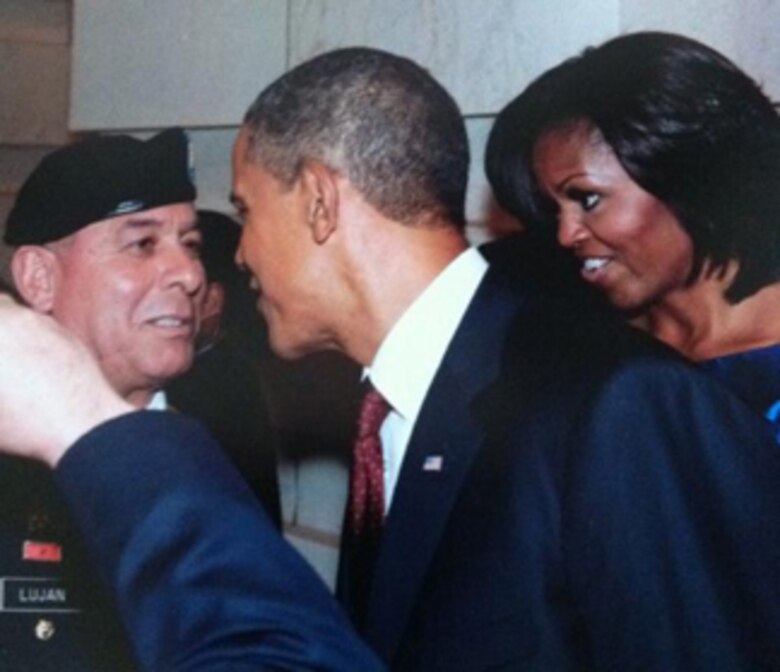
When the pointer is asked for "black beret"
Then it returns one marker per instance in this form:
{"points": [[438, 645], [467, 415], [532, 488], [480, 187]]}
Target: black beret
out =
{"points": [[99, 178]]}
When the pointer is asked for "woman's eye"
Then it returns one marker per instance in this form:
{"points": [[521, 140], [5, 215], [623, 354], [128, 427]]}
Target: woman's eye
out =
{"points": [[589, 200]]}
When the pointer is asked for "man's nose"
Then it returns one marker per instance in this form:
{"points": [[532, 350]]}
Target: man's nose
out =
{"points": [[183, 268]]}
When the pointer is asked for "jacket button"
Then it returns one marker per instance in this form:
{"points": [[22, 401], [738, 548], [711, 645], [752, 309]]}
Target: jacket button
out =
{"points": [[44, 630]]}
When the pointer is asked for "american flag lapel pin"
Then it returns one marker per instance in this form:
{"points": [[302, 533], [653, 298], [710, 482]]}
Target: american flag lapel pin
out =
{"points": [[433, 463]]}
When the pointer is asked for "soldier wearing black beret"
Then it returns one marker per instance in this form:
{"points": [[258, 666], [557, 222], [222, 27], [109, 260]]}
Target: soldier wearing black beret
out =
{"points": [[106, 242]]}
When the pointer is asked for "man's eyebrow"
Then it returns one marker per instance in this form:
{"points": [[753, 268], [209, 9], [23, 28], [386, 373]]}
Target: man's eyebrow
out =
{"points": [[141, 222], [191, 225]]}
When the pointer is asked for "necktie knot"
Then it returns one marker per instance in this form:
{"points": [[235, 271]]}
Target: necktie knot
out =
{"points": [[373, 411]]}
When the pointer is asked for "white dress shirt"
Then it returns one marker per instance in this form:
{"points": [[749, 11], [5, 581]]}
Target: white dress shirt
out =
{"points": [[409, 356], [158, 402]]}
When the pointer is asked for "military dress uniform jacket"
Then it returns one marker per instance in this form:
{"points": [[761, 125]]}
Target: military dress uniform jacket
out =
{"points": [[55, 612]]}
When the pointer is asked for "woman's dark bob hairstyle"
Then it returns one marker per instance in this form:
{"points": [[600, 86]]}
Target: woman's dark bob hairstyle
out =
{"points": [[686, 124]]}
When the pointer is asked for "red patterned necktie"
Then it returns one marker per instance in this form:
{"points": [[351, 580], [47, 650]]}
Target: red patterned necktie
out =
{"points": [[366, 511]]}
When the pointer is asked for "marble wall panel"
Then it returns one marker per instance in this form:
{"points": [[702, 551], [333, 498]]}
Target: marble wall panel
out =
{"points": [[483, 52], [211, 149], [745, 31], [485, 219], [150, 64]]}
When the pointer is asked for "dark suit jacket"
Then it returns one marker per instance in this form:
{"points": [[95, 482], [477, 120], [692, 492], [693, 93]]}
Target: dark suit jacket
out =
{"points": [[201, 578], [600, 506]]}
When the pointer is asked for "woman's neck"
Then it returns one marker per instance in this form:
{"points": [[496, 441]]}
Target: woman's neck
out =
{"points": [[700, 323]]}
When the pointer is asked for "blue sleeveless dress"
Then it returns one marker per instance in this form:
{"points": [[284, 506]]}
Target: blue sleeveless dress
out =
{"points": [[755, 376]]}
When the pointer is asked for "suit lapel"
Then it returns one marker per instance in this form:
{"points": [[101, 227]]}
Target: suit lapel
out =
{"points": [[446, 438]]}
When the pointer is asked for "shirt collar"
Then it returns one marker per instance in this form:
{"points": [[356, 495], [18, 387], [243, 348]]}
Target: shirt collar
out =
{"points": [[410, 354], [158, 402]]}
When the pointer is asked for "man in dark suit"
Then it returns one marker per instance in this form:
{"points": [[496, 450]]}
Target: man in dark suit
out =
{"points": [[558, 495]]}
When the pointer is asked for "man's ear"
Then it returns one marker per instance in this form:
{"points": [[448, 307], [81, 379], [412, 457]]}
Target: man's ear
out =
{"points": [[34, 271], [322, 194]]}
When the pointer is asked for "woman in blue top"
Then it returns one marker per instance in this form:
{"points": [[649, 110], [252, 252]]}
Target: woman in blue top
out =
{"points": [[659, 161]]}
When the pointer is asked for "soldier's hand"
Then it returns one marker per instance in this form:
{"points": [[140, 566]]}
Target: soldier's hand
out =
{"points": [[51, 388]]}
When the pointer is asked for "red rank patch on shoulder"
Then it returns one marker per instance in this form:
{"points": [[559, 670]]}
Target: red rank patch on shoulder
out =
{"points": [[41, 551]]}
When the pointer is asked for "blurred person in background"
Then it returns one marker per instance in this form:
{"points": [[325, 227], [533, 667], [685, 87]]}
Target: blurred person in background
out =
{"points": [[225, 388]]}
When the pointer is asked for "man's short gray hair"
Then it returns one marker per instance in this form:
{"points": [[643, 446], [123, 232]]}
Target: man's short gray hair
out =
{"points": [[379, 119]]}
